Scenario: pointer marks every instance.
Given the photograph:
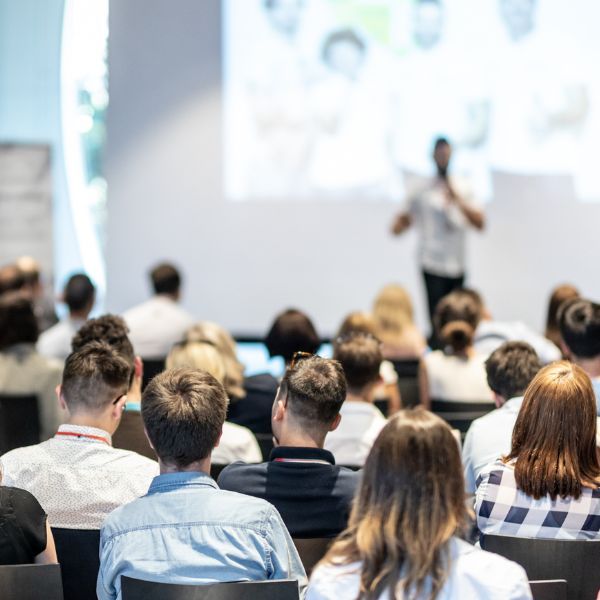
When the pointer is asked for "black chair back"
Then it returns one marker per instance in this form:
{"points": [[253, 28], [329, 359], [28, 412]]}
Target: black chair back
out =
{"points": [[78, 555], [408, 381], [460, 415], [136, 589], [19, 421], [215, 470], [152, 367], [130, 434], [576, 561], [552, 589], [265, 443], [311, 551], [30, 582]]}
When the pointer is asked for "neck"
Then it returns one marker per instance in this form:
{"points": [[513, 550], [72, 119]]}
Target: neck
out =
{"points": [[103, 422], [199, 466], [299, 438], [365, 397], [79, 315], [173, 297], [590, 365]]}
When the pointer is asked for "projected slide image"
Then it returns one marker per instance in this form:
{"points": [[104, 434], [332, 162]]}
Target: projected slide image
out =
{"points": [[341, 99]]}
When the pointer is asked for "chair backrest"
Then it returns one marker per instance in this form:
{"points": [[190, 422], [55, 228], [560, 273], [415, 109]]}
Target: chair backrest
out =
{"points": [[130, 434], [311, 551], [576, 561], [215, 470], [152, 367], [19, 421], [265, 443], [550, 589], [30, 582], [408, 381], [136, 589], [460, 415], [78, 555]]}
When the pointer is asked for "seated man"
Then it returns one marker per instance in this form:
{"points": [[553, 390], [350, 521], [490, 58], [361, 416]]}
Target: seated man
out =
{"points": [[360, 357], [301, 479], [77, 476], [509, 369], [187, 530]]}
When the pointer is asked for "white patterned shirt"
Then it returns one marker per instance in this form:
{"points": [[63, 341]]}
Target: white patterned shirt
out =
{"points": [[77, 476]]}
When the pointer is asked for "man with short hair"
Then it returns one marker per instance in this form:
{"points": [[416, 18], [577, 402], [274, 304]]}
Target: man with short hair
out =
{"points": [[187, 530], [301, 480], [579, 324], [79, 295], [158, 323], [360, 357], [509, 369], [77, 476]]}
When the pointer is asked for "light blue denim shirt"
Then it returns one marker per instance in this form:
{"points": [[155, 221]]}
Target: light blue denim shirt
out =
{"points": [[186, 530]]}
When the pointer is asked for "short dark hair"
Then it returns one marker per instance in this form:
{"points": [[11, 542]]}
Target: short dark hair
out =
{"points": [[79, 292], [110, 329], [11, 278], [360, 357], [94, 376], [316, 389], [292, 331], [18, 324], [341, 35], [165, 279], [456, 318], [579, 324], [440, 141], [184, 411], [511, 368]]}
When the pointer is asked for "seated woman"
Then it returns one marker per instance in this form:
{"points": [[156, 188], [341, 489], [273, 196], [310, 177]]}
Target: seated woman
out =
{"points": [[237, 443], [456, 373], [549, 484], [401, 541], [25, 535]]}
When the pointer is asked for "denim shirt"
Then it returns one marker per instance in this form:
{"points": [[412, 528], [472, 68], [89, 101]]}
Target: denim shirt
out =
{"points": [[186, 530]]}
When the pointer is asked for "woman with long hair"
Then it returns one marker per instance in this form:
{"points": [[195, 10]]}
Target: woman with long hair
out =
{"points": [[401, 541], [548, 486]]}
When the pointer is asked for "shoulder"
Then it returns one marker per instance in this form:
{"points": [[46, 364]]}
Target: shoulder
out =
{"points": [[26, 454], [334, 581], [236, 475], [237, 433], [135, 461], [495, 474], [20, 500]]}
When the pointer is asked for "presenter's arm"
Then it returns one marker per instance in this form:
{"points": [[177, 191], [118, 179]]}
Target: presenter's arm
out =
{"points": [[401, 223], [475, 216]]}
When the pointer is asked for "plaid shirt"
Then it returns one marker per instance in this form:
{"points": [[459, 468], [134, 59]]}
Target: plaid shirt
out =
{"points": [[503, 509]]}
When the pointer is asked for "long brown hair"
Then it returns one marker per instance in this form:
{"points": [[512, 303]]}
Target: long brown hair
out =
{"points": [[409, 505], [456, 318], [554, 438]]}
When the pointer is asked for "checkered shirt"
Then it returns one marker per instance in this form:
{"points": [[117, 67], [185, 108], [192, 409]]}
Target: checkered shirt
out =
{"points": [[503, 509]]}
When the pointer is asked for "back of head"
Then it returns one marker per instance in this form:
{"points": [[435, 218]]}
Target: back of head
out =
{"points": [[357, 322], [554, 438], [11, 279], [183, 412], [201, 355], [315, 389], [292, 331], [360, 357], [456, 318], [559, 295], [165, 279], [110, 329], [30, 270], [225, 344], [18, 324], [409, 505], [79, 293], [392, 311], [510, 369], [579, 324], [94, 377]]}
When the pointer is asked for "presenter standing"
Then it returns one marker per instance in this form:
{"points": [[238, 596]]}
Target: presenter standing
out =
{"points": [[442, 210]]}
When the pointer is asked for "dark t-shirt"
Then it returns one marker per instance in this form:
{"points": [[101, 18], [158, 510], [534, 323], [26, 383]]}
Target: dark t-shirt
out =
{"points": [[22, 527], [254, 411], [312, 494]]}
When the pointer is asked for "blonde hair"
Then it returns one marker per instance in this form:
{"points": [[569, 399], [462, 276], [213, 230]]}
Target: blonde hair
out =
{"points": [[197, 355], [357, 322], [225, 344], [392, 312]]}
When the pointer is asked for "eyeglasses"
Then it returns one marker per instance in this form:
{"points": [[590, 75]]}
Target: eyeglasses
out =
{"points": [[298, 356], [117, 399]]}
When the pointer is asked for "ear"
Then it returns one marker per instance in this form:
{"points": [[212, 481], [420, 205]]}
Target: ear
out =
{"points": [[138, 367], [219, 438], [60, 397], [565, 350], [118, 408], [279, 410], [148, 438], [335, 423], [499, 400]]}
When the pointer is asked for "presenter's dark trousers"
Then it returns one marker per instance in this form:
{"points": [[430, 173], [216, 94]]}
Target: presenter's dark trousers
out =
{"points": [[437, 286]]}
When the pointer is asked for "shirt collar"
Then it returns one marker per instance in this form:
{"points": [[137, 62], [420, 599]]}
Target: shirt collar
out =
{"points": [[294, 453], [84, 434], [170, 481]]}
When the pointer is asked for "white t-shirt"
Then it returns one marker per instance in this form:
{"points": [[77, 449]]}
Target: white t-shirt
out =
{"points": [[442, 227], [56, 341], [237, 443], [351, 442]]}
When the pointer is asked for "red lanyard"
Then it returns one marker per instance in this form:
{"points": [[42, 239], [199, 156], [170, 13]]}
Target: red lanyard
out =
{"points": [[84, 435]]}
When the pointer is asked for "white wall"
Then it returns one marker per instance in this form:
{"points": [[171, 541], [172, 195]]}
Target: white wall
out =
{"points": [[245, 262]]}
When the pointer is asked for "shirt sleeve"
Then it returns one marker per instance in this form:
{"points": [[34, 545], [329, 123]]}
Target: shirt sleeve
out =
{"points": [[105, 588], [467, 461], [31, 519]]}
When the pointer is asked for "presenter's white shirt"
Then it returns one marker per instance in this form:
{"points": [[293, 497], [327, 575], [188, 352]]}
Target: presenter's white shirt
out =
{"points": [[442, 226], [237, 443], [351, 442], [56, 341], [155, 325]]}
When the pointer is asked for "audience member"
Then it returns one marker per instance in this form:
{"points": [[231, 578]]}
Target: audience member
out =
{"points": [[510, 370], [185, 529], [361, 421], [301, 480], [22, 370], [77, 476], [158, 323], [12, 279], [236, 442], [558, 296], [291, 332], [579, 324], [394, 324], [548, 486], [456, 373], [79, 295], [403, 539], [43, 302]]}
